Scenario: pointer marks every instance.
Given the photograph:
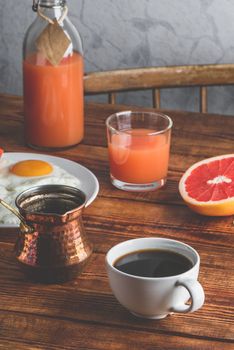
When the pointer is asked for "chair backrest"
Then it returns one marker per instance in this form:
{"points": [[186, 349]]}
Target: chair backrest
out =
{"points": [[157, 78]]}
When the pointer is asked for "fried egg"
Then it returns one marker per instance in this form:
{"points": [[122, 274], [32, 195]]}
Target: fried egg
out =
{"points": [[18, 177]]}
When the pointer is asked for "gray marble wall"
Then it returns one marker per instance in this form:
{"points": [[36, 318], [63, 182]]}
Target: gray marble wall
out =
{"points": [[135, 33]]}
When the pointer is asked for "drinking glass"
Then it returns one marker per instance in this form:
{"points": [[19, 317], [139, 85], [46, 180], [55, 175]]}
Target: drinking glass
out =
{"points": [[138, 146]]}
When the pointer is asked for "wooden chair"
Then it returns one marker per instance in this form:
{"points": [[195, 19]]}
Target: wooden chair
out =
{"points": [[157, 78]]}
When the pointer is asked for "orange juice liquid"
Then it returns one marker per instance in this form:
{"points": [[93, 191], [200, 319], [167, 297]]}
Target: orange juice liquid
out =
{"points": [[53, 101], [139, 158]]}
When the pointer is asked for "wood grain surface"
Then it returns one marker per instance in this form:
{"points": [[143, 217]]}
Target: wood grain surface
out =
{"points": [[159, 77], [83, 314]]}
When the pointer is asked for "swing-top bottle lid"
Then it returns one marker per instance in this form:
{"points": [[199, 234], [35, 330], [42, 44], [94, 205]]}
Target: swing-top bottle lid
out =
{"points": [[48, 3]]}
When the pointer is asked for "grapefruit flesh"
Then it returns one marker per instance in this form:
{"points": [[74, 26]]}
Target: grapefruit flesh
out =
{"points": [[208, 186]]}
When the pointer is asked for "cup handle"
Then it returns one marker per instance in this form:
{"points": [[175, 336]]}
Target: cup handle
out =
{"points": [[197, 296]]}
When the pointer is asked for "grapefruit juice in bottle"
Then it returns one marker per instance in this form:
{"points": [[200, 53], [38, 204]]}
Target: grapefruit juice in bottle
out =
{"points": [[53, 91]]}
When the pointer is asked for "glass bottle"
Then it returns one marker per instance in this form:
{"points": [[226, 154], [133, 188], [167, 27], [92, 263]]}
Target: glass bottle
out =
{"points": [[53, 91]]}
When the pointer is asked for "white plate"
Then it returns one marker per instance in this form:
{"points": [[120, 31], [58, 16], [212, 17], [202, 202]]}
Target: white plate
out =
{"points": [[88, 181]]}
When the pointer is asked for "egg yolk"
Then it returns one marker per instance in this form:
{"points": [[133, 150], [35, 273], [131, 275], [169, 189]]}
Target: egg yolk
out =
{"points": [[31, 168]]}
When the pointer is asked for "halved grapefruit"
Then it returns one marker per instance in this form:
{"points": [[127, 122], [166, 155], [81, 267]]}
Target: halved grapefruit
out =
{"points": [[208, 186]]}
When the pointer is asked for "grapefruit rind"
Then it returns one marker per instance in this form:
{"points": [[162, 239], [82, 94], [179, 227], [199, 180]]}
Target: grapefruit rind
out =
{"points": [[224, 207]]}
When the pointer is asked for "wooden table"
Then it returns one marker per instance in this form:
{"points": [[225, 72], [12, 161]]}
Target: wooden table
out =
{"points": [[84, 314]]}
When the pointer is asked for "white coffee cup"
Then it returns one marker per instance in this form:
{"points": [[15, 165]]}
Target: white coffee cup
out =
{"points": [[155, 297]]}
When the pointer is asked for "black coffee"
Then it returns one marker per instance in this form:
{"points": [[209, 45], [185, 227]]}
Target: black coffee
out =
{"points": [[153, 263]]}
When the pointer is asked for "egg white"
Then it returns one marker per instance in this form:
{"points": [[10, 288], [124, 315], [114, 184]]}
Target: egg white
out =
{"points": [[11, 185]]}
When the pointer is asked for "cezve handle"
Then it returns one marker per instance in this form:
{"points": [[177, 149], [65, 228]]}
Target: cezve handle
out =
{"points": [[23, 226]]}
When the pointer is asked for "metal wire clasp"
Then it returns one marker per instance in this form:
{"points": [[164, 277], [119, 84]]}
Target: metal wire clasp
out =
{"points": [[35, 5]]}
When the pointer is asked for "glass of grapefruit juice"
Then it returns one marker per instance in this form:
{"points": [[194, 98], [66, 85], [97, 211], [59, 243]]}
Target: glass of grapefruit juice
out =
{"points": [[138, 147]]}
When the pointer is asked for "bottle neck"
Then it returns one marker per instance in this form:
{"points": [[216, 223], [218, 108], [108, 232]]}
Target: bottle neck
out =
{"points": [[50, 9], [50, 4]]}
